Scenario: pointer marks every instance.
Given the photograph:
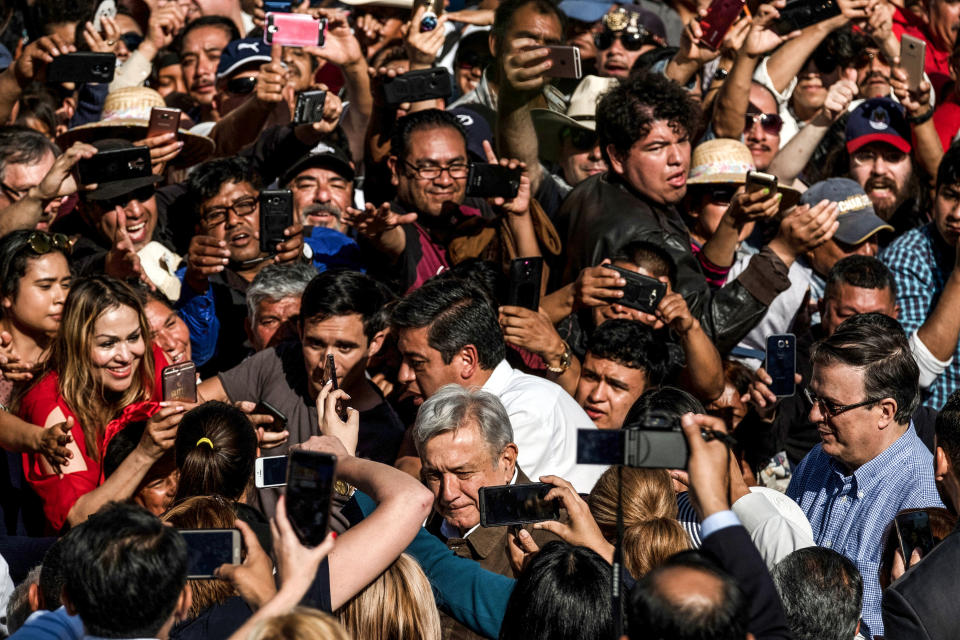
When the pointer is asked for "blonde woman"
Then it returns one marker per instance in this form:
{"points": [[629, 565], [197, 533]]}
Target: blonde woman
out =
{"points": [[301, 624]]}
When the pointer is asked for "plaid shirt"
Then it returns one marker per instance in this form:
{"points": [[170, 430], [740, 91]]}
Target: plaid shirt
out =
{"points": [[921, 262], [849, 513]]}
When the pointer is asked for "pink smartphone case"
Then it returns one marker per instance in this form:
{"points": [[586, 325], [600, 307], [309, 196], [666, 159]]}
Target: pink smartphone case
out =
{"points": [[293, 30]]}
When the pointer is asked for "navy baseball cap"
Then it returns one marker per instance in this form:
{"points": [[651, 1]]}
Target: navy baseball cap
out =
{"points": [[240, 53], [858, 220], [878, 120], [585, 10], [476, 120]]}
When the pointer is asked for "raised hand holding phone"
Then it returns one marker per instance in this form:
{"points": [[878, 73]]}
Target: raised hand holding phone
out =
{"points": [[334, 418]]}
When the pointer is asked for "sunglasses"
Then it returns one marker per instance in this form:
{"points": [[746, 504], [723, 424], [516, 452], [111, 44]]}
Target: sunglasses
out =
{"points": [[629, 41], [471, 59], [41, 242], [242, 86], [582, 139], [865, 58], [140, 195], [771, 122]]}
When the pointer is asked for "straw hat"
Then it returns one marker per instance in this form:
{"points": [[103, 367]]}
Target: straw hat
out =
{"points": [[126, 114], [581, 114], [726, 161]]}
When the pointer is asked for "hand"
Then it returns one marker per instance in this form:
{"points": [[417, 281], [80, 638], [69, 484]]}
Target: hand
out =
{"points": [[533, 331], [95, 41], [521, 547], [122, 260], [761, 39], [347, 432], [11, 366], [33, 62], [341, 46], [374, 222], [898, 568], [807, 227], [272, 78], [916, 103], [291, 249], [266, 438], [690, 48], [296, 564], [163, 149], [734, 39], [708, 468], [856, 10], [332, 109], [840, 94], [258, 15], [52, 444], [161, 431], [758, 394], [59, 180], [369, 30], [751, 207], [165, 23], [582, 530], [524, 64], [206, 256], [519, 205], [674, 313], [253, 579], [880, 24], [423, 46], [595, 286], [326, 444]]}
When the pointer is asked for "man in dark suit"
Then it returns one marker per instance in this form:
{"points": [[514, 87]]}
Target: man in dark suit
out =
{"points": [[921, 605]]}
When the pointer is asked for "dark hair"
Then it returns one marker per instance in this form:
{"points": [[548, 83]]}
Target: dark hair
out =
{"points": [[631, 344], [341, 293], [504, 15], [655, 612], [948, 430], [821, 591], [51, 572], [39, 102], [838, 49], [666, 401], [563, 594], [482, 274], [53, 12], [865, 272], [221, 22], [206, 179], [124, 572], [458, 314], [23, 145], [651, 256], [121, 445], [15, 255], [942, 523], [627, 112], [225, 465], [948, 174], [876, 344], [417, 121]]}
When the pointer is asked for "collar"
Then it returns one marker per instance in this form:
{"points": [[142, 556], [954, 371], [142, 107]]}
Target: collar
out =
{"points": [[499, 379], [876, 470], [449, 531]]}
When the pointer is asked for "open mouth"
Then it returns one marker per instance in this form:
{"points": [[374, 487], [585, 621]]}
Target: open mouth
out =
{"points": [[240, 239], [594, 414], [120, 373], [677, 180]]}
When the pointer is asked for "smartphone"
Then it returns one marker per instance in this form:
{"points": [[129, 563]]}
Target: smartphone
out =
{"points": [[641, 292], [525, 276], [913, 52], [645, 446], [422, 84], [309, 106], [757, 180], [163, 120], [800, 14], [913, 530], [294, 30], [271, 472], [431, 16], [517, 504], [720, 17], [279, 419], [115, 164], [84, 66], [781, 364], [276, 214], [332, 376], [277, 7], [180, 382], [310, 477], [490, 180], [106, 9], [207, 549], [566, 61]]}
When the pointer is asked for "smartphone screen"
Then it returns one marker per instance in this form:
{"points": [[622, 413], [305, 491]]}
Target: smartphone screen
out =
{"points": [[781, 363], [271, 471], [310, 478], [207, 549], [599, 446], [279, 419], [913, 529], [517, 504]]}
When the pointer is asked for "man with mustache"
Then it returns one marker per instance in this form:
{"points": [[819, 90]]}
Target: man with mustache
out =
{"points": [[201, 46]]}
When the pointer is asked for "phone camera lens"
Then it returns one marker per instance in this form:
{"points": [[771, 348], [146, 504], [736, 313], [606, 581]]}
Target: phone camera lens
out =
{"points": [[781, 343]]}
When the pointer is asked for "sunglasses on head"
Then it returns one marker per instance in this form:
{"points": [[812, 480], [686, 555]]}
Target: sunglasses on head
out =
{"points": [[582, 139], [41, 242], [242, 86], [771, 122], [140, 195], [629, 41]]}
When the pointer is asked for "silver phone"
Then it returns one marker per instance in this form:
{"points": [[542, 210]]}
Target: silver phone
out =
{"points": [[271, 472], [913, 52]]}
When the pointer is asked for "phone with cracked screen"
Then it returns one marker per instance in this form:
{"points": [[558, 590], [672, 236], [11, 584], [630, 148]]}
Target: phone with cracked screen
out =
{"points": [[207, 549]]}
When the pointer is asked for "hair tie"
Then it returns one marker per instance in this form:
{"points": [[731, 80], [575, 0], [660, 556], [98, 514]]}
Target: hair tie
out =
{"points": [[205, 440]]}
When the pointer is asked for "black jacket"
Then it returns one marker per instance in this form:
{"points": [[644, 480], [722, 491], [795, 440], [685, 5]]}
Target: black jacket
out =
{"points": [[603, 213]]}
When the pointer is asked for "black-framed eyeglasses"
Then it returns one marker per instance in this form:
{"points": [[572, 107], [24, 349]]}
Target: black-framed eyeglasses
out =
{"points": [[457, 170], [771, 122], [629, 41], [582, 139], [218, 215], [41, 242], [242, 86], [140, 195], [832, 410], [15, 195]]}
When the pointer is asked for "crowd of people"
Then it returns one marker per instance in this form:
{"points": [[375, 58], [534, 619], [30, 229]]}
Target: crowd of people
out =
{"points": [[312, 236]]}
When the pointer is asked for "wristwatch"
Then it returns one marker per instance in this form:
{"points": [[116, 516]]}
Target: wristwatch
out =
{"points": [[344, 489], [565, 359]]}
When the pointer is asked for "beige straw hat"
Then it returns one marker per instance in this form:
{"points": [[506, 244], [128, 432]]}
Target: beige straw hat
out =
{"points": [[726, 161]]}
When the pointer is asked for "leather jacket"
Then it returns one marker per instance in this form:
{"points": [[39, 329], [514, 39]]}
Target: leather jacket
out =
{"points": [[603, 213]]}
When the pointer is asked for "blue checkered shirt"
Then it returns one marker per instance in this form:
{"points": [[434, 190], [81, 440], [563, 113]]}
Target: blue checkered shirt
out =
{"points": [[849, 513], [920, 263]]}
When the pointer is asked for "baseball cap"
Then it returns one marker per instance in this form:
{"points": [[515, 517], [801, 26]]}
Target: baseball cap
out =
{"points": [[878, 120], [323, 154], [585, 10], [117, 188], [242, 52], [476, 119], [858, 221]]}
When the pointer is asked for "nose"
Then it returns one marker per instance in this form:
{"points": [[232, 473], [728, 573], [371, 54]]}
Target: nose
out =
{"points": [[233, 219], [868, 248], [595, 154], [755, 130], [205, 66], [123, 353], [598, 393], [617, 46], [444, 178], [449, 489], [675, 156], [816, 416], [322, 194], [164, 341], [406, 375]]}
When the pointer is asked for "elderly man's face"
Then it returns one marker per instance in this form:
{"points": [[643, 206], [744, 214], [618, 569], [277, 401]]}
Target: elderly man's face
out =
{"points": [[19, 177], [456, 464], [320, 196]]}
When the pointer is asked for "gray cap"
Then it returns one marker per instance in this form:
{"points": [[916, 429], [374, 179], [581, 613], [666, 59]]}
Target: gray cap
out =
{"points": [[858, 220]]}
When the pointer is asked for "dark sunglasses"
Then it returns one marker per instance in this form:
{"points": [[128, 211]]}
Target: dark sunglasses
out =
{"points": [[242, 86], [865, 58], [471, 59], [140, 195], [41, 242], [629, 41], [771, 122], [132, 40], [582, 139]]}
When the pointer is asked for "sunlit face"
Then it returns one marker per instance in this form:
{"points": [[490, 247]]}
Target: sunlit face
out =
{"points": [[884, 172], [170, 80], [117, 348], [455, 465], [607, 390], [762, 142], [140, 219], [578, 158], [657, 164], [168, 331], [18, 178], [159, 487], [300, 67], [873, 74], [199, 57], [709, 205], [433, 147], [730, 401], [423, 370], [275, 321], [618, 60], [37, 307], [467, 76], [221, 220], [812, 85], [343, 338], [320, 196], [946, 212], [944, 22]]}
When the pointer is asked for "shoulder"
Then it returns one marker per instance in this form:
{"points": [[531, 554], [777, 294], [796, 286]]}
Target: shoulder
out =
{"points": [[905, 247], [41, 398]]}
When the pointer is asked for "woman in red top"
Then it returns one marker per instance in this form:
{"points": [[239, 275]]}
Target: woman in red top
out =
{"points": [[101, 372]]}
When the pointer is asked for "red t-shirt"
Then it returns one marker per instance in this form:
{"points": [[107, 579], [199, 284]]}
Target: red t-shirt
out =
{"points": [[937, 61], [947, 119], [59, 494]]}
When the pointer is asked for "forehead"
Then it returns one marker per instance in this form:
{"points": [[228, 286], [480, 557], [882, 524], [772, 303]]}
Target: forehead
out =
{"points": [[530, 21], [613, 369], [117, 318], [284, 306], [157, 312], [760, 97], [436, 143], [230, 190], [414, 341], [205, 38], [863, 298], [458, 446], [349, 325], [320, 173]]}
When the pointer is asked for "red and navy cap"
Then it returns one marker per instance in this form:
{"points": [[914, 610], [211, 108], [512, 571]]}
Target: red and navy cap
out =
{"points": [[878, 120]]}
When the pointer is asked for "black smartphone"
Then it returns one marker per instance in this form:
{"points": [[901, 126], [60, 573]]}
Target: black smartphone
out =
{"points": [[757, 180], [114, 164], [422, 84], [276, 214], [310, 477], [800, 14], [781, 364], [641, 292], [525, 276], [83, 66], [517, 504], [488, 180], [270, 471], [649, 446], [180, 382], [913, 530], [279, 419], [332, 375], [207, 549], [720, 17], [309, 106]]}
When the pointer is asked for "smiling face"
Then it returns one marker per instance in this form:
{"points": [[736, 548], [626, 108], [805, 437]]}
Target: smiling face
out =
{"points": [[320, 196], [117, 348], [140, 218], [607, 390], [168, 331], [657, 164], [763, 144], [37, 308], [19, 177], [433, 147], [812, 85], [220, 219]]}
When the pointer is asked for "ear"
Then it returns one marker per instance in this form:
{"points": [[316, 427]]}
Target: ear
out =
{"points": [[376, 343], [492, 43], [616, 162], [247, 329], [508, 461], [469, 362], [888, 407], [896, 312], [35, 597], [6, 302], [941, 465], [183, 603], [393, 164]]}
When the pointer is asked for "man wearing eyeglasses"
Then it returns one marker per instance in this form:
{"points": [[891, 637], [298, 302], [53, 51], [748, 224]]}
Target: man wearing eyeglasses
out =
{"points": [[870, 463]]}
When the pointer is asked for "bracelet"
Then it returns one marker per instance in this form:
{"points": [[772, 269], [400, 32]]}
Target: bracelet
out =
{"points": [[565, 359], [922, 118]]}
